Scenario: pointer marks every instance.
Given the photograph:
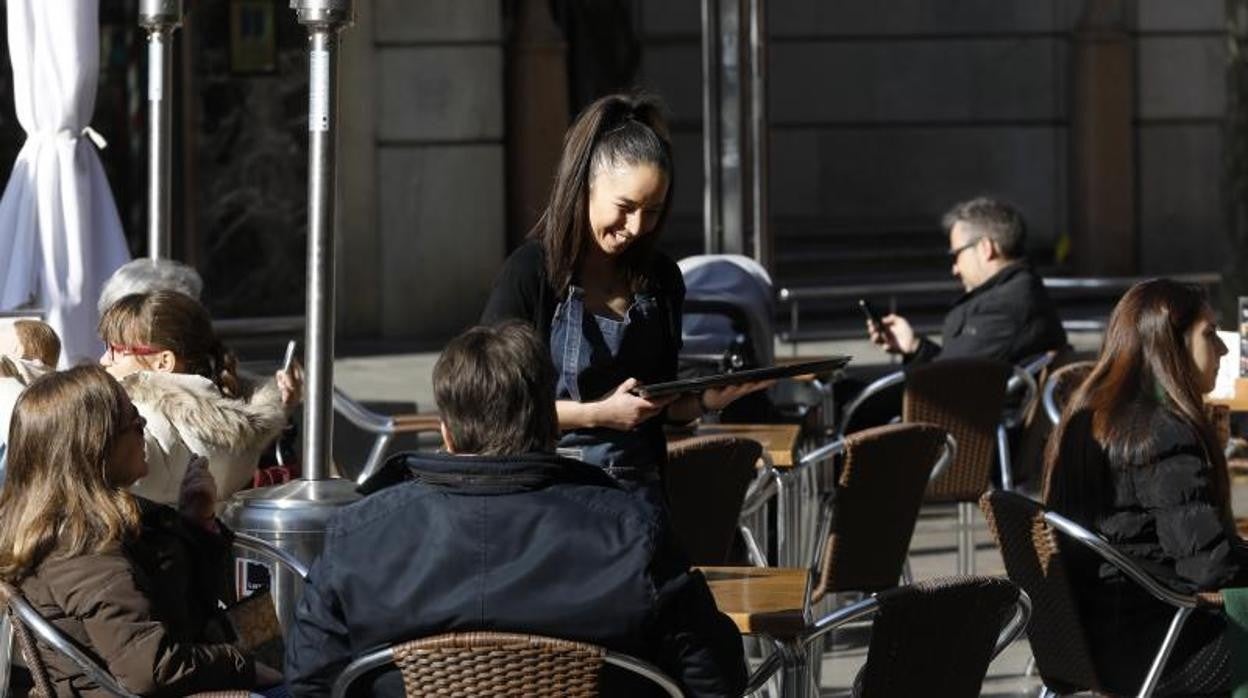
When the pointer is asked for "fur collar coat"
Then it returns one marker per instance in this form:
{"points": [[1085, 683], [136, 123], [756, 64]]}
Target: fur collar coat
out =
{"points": [[187, 415]]}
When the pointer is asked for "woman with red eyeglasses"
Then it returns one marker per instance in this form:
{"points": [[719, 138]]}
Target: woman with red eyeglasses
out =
{"points": [[185, 383]]}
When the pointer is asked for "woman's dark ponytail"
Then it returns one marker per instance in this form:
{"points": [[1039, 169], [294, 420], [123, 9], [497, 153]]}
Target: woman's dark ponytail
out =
{"points": [[617, 129]]}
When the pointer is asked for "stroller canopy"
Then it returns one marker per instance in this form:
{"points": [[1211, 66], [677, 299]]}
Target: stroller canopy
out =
{"points": [[719, 286]]}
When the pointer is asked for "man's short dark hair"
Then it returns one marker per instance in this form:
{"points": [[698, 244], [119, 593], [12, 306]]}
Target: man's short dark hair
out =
{"points": [[495, 388], [996, 220]]}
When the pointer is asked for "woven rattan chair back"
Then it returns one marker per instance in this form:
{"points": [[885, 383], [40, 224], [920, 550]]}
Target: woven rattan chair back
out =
{"points": [[500, 664], [940, 632], [706, 479], [1033, 561], [964, 397], [883, 474]]}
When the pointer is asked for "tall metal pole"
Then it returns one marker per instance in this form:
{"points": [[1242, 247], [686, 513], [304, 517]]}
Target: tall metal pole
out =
{"points": [[763, 246], [323, 19], [711, 206], [293, 516], [160, 18]]}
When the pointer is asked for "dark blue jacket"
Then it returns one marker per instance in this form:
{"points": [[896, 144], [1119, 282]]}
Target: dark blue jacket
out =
{"points": [[530, 544]]}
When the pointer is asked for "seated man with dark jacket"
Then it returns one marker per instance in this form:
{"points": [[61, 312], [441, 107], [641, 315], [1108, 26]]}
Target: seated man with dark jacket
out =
{"points": [[1005, 312], [501, 534]]}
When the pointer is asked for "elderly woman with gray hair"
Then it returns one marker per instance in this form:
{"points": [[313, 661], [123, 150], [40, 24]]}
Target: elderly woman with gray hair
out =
{"points": [[147, 275]]}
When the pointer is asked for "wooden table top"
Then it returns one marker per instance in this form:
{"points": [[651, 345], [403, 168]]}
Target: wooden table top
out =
{"points": [[778, 440], [760, 600], [1238, 403]]}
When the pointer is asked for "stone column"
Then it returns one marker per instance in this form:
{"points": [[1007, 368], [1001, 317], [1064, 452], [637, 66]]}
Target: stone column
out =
{"points": [[1103, 226], [537, 112]]}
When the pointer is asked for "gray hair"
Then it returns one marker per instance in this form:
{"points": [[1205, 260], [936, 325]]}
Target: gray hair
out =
{"points": [[147, 275], [993, 219]]}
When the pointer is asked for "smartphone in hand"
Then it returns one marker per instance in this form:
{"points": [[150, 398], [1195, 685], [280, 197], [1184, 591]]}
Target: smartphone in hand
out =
{"points": [[289, 360], [873, 316]]}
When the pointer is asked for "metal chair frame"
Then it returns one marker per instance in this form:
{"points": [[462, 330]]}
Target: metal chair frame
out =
{"points": [[1183, 604], [1049, 399], [1023, 379], [383, 425], [28, 616], [250, 543], [790, 654], [381, 657]]}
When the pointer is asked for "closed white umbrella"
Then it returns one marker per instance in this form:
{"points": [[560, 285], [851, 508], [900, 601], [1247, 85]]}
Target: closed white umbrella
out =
{"points": [[60, 235]]}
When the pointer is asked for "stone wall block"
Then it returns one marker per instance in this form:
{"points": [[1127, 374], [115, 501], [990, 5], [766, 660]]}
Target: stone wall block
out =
{"points": [[440, 93], [442, 221], [437, 20]]}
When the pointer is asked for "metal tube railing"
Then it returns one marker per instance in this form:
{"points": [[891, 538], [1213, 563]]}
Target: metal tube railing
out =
{"points": [[794, 297]]}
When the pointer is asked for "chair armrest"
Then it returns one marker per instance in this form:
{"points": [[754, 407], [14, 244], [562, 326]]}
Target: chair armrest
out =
{"points": [[1211, 599], [417, 423], [250, 543], [947, 454], [879, 384], [1017, 624], [824, 452], [842, 616], [1021, 380], [761, 490], [1111, 555]]}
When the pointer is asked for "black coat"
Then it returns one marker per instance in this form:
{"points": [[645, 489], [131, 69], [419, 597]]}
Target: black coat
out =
{"points": [[530, 544], [1164, 515], [1010, 317]]}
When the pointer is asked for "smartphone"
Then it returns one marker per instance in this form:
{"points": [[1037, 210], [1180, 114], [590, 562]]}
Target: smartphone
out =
{"points": [[290, 354], [873, 316]]}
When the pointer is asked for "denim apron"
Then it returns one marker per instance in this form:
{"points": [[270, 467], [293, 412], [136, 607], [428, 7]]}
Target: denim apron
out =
{"points": [[593, 355]]}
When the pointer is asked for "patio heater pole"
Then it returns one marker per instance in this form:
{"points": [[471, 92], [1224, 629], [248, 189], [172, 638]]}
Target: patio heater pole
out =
{"points": [[160, 18], [293, 516], [323, 19]]}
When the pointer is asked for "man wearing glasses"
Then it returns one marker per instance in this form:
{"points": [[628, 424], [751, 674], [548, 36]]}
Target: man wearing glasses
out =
{"points": [[1005, 312]]}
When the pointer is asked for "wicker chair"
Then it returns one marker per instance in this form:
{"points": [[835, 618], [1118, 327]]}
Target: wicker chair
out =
{"points": [[706, 479], [489, 663], [1061, 386], [868, 519], [965, 397], [938, 633], [1027, 535]]}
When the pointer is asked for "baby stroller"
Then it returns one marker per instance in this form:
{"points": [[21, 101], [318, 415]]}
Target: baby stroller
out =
{"points": [[729, 306], [729, 325]]}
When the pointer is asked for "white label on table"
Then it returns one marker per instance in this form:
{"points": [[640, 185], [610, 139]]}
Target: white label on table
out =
{"points": [[155, 71], [318, 95]]}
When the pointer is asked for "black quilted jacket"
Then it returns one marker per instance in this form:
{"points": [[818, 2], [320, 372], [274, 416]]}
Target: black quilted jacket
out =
{"points": [[1165, 517]]}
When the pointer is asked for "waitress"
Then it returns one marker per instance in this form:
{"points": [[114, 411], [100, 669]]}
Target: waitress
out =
{"points": [[591, 282]]}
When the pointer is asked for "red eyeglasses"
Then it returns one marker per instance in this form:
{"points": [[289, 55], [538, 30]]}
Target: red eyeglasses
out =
{"points": [[132, 350]]}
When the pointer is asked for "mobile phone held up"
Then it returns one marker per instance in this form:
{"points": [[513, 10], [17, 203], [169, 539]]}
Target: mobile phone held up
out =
{"points": [[873, 316], [289, 359]]}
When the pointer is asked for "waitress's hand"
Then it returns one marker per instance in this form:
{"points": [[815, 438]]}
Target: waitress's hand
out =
{"points": [[714, 399], [623, 411]]}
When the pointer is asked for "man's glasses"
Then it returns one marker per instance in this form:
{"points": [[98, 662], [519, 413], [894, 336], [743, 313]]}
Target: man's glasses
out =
{"points": [[953, 254]]}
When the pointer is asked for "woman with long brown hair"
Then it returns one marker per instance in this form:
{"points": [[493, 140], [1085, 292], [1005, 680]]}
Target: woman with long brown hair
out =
{"points": [[1136, 460], [605, 301], [186, 384], [134, 583]]}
